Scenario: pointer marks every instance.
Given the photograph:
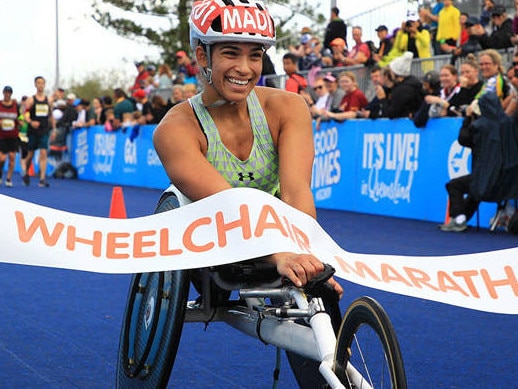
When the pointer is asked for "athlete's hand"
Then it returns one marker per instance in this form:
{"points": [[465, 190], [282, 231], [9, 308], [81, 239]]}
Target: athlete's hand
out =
{"points": [[35, 124], [300, 268]]}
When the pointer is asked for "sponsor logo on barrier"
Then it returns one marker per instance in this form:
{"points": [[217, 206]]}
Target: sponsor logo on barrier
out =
{"points": [[104, 153], [390, 161], [81, 151], [130, 156], [152, 158], [458, 160], [326, 166]]}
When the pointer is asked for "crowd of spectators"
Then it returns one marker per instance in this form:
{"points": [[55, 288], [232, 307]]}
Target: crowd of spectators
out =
{"points": [[469, 42]]}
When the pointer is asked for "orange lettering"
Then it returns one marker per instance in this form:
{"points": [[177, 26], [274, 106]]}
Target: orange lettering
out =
{"points": [[262, 223], [112, 245], [419, 278], [164, 244], [139, 244], [95, 242], [510, 280], [26, 234], [187, 237], [301, 239], [388, 274], [443, 278], [243, 223], [361, 269], [467, 276]]}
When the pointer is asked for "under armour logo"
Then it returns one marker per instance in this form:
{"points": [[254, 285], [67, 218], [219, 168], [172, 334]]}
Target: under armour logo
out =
{"points": [[249, 176]]}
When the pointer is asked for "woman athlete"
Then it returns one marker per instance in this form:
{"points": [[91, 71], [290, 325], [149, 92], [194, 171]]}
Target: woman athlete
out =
{"points": [[237, 134]]}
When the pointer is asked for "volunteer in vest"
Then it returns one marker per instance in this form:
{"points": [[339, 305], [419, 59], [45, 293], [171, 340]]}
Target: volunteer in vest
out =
{"points": [[234, 133], [9, 142]]}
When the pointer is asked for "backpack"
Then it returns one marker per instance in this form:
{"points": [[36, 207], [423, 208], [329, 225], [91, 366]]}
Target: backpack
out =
{"points": [[65, 170]]}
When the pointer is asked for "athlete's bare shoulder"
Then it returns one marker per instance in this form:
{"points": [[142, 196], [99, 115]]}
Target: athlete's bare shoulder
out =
{"points": [[280, 105]]}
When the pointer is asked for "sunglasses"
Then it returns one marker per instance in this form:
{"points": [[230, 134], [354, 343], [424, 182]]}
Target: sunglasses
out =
{"points": [[515, 63], [318, 87]]}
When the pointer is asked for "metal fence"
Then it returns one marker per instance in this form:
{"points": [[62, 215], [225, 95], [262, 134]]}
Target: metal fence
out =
{"points": [[419, 67]]}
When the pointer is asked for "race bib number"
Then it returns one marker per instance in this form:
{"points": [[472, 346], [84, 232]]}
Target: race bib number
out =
{"points": [[42, 110], [7, 124]]}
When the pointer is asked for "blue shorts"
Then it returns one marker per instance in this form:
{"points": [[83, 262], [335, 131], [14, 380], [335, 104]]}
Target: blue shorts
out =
{"points": [[38, 142]]}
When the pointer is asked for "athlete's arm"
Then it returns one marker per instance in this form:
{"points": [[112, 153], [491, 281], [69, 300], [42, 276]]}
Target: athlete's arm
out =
{"points": [[179, 142]]}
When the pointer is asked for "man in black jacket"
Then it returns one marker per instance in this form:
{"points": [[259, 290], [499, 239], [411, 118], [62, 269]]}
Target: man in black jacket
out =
{"points": [[494, 162], [502, 28], [336, 28]]}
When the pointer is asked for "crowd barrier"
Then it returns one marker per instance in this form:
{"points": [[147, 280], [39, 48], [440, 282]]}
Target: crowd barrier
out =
{"points": [[384, 167]]}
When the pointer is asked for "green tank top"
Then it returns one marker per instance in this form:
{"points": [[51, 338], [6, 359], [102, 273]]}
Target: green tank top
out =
{"points": [[261, 169]]}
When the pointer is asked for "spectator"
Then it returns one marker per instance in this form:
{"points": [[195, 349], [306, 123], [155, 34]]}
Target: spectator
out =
{"points": [[431, 87], [336, 28], [514, 38], [463, 28], [165, 77], [142, 76], [485, 135], [413, 38], [153, 76], [477, 40], [189, 90], [177, 96], [407, 93], [9, 132], [502, 28], [432, 16], [122, 105], [318, 107], [439, 105], [143, 106], [382, 81], [470, 86], [58, 136], [448, 28], [336, 94], [360, 52], [385, 43], [187, 67], [59, 94], [353, 101], [312, 56], [107, 104], [295, 81], [96, 110], [268, 69], [82, 109], [485, 13], [490, 62], [305, 38], [339, 52], [158, 109]]}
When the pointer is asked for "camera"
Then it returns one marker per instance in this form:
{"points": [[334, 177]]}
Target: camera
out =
{"points": [[409, 23]]}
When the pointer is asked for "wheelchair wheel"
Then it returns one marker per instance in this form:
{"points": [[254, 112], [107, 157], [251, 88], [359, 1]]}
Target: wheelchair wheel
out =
{"points": [[368, 341], [306, 370], [153, 323]]}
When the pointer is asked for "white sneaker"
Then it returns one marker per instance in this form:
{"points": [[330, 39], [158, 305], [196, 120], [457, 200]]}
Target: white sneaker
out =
{"points": [[8, 183]]}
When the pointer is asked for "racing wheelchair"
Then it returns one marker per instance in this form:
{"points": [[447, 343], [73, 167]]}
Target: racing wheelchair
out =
{"points": [[324, 351]]}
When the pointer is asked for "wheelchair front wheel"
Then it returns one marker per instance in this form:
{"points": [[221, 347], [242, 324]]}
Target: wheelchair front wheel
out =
{"points": [[368, 341]]}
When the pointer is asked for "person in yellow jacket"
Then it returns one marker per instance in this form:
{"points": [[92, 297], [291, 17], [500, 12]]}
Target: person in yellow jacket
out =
{"points": [[448, 28], [411, 37]]}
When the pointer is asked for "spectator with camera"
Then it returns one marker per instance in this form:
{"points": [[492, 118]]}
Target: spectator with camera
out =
{"points": [[477, 40], [502, 28], [411, 37]]}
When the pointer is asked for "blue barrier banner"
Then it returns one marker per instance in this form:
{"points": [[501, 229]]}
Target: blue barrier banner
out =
{"points": [[389, 167], [118, 158]]}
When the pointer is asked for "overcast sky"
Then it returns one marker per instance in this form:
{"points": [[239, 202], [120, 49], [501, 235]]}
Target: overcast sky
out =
{"points": [[28, 42]]}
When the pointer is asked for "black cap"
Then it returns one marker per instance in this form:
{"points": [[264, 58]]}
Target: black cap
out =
{"points": [[432, 78], [498, 10], [8, 89], [381, 28], [472, 21]]}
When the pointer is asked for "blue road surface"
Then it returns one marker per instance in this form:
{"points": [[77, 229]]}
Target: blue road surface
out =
{"points": [[59, 329]]}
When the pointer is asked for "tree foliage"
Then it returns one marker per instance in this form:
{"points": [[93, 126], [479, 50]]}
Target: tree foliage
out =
{"points": [[138, 20]]}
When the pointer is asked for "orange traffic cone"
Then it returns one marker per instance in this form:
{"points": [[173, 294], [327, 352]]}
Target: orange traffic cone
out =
{"points": [[117, 207]]}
